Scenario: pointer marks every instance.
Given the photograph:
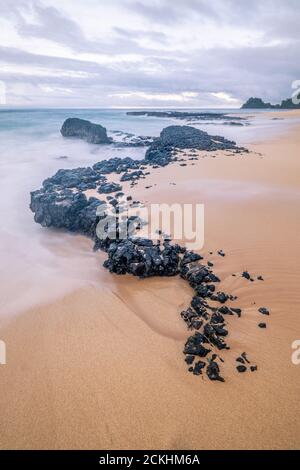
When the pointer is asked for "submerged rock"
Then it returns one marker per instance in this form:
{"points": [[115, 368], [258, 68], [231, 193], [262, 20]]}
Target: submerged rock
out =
{"points": [[86, 130], [78, 178]]}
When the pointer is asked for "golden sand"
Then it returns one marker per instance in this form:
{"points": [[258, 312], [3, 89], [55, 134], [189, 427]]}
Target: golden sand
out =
{"points": [[103, 367]]}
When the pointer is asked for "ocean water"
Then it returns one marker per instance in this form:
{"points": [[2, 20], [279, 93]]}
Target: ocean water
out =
{"points": [[38, 264]]}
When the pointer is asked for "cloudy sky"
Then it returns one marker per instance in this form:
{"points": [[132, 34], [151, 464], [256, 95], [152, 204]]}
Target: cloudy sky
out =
{"points": [[151, 53]]}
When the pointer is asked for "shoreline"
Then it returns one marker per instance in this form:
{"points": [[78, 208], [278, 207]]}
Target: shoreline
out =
{"points": [[88, 386]]}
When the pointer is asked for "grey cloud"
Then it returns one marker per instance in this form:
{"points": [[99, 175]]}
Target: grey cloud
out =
{"points": [[239, 71]]}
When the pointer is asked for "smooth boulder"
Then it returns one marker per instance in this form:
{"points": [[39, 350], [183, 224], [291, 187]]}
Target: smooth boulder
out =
{"points": [[86, 130]]}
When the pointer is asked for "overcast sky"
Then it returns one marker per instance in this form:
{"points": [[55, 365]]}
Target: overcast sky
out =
{"points": [[151, 53]]}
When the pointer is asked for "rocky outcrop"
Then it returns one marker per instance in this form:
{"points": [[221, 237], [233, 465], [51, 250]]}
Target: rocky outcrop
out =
{"points": [[65, 210], [161, 150], [86, 130], [185, 115], [63, 204]]}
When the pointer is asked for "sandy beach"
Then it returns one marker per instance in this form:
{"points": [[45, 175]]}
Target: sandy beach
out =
{"points": [[102, 367]]}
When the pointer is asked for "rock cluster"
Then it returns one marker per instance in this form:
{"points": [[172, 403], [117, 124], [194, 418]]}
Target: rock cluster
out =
{"points": [[186, 115]]}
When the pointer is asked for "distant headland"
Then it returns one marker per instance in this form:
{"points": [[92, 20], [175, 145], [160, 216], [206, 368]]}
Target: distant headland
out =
{"points": [[258, 103]]}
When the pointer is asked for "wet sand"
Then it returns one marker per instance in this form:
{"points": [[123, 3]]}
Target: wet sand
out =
{"points": [[103, 367]]}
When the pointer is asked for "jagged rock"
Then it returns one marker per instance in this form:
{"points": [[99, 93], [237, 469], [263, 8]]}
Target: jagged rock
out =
{"points": [[197, 275], [264, 311], [160, 151], [198, 367], [61, 203], [109, 188], [204, 290], [210, 333], [79, 178], [238, 311], [246, 275], [68, 210], [194, 345], [217, 318], [224, 310], [189, 359], [199, 306], [220, 297], [86, 130], [240, 359], [142, 258], [132, 176], [116, 165], [244, 356], [190, 115], [213, 371], [191, 318]]}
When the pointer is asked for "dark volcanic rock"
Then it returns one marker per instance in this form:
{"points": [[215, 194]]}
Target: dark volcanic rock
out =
{"points": [[143, 258], [254, 103], [160, 151], [185, 137], [109, 188], [246, 275], [68, 210], [184, 115], [194, 345], [264, 311], [79, 178], [189, 359], [61, 203], [262, 325], [86, 130], [213, 337], [116, 165], [191, 318], [132, 176], [198, 367], [241, 368], [213, 371]]}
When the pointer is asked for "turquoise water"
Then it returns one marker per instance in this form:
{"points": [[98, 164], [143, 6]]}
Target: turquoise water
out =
{"points": [[36, 263]]}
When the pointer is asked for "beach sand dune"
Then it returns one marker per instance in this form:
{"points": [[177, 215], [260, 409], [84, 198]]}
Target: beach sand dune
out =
{"points": [[103, 367]]}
